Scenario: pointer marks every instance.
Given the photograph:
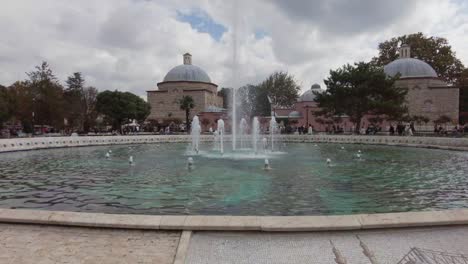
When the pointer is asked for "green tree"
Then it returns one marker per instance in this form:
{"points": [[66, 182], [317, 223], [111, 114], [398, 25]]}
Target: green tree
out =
{"points": [[74, 98], [89, 103], [360, 89], [119, 108], [226, 93], [21, 102], [463, 85], [187, 103], [5, 105], [47, 96], [433, 50], [281, 88]]}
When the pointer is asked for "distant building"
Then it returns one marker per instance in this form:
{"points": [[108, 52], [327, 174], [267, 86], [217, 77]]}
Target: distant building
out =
{"points": [[428, 95], [185, 79]]}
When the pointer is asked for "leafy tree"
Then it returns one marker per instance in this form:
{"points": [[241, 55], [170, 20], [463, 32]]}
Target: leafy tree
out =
{"points": [[433, 50], [47, 96], [360, 89], [5, 105], [73, 96], [226, 94], [187, 103], [121, 107], [89, 108], [463, 84], [281, 88], [21, 102]]}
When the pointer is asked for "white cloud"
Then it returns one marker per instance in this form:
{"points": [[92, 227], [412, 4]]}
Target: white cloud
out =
{"points": [[131, 44]]}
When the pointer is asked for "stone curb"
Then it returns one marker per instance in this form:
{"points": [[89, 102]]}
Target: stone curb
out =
{"points": [[237, 223], [21, 144]]}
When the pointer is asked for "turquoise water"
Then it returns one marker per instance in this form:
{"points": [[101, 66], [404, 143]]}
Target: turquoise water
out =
{"points": [[386, 179]]}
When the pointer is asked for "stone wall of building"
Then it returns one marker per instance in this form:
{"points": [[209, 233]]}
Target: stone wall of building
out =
{"points": [[165, 101], [431, 98]]}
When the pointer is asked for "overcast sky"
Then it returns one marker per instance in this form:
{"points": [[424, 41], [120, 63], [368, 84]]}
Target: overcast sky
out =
{"points": [[130, 45]]}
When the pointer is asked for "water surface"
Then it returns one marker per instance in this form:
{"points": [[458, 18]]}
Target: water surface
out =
{"points": [[386, 179]]}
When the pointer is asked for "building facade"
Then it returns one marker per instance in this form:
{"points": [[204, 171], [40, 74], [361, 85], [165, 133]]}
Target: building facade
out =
{"points": [[428, 96], [183, 80]]}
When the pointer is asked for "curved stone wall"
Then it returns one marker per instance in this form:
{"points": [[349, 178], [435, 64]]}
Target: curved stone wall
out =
{"points": [[18, 144]]}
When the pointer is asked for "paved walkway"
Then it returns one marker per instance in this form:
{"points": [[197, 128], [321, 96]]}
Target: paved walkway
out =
{"points": [[366, 247], [38, 244]]}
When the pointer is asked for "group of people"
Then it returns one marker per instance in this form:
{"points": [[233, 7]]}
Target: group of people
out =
{"points": [[402, 129]]}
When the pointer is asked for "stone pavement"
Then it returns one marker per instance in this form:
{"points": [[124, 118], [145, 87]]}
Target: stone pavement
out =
{"points": [[40, 244], [350, 247]]}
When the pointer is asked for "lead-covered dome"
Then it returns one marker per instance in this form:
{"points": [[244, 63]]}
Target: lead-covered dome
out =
{"points": [[409, 67], [187, 72], [309, 95]]}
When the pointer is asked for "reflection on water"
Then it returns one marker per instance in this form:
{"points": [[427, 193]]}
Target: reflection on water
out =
{"points": [[384, 179]]}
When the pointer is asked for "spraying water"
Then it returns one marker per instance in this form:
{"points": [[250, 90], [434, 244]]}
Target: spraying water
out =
{"points": [[216, 140], [235, 72], [255, 134], [243, 132], [221, 135], [265, 144], [195, 133], [273, 128], [130, 160]]}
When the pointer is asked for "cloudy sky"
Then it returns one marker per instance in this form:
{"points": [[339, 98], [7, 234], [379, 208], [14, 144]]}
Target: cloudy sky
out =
{"points": [[131, 44]]}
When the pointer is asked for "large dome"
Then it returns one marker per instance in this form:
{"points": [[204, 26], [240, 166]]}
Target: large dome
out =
{"points": [[309, 95], [409, 67], [187, 72]]}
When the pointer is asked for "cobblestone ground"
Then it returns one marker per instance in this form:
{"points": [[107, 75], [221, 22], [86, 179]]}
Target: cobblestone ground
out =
{"points": [[362, 247], [51, 244]]}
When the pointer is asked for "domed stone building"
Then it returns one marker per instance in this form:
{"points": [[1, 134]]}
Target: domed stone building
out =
{"points": [[185, 79], [428, 95]]}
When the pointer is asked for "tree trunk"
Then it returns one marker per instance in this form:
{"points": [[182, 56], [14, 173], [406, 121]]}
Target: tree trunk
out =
{"points": [[187, 121]]}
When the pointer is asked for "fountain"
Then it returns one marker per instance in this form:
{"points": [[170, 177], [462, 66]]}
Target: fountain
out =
{"points": [[265, 144], [255, 134], [267, 165], [195, 133], [216, 140], [130, 160], [273, 128], [107, 155], [190, 163], [243, 132], [221, 135]]}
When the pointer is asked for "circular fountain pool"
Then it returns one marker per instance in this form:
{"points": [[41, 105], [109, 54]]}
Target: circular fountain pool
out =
{"points": [[384, 179]]}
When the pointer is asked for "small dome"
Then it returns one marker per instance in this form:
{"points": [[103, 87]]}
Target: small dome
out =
{"points": [[294, 114], [409, 67], [315, 86]]}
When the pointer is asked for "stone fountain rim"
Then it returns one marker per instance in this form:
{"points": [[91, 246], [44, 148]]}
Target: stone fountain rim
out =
{"points": [[237, 223], [23, 144]]}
